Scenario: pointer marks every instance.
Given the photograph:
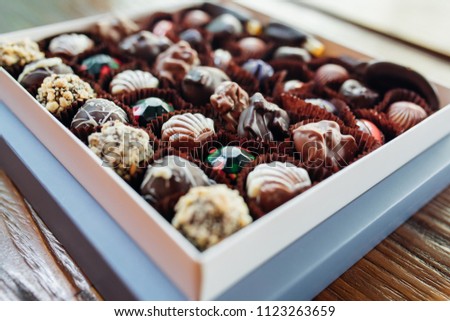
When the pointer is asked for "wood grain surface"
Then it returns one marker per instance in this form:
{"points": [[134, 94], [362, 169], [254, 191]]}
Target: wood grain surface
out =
{"points": [[33, 264]]}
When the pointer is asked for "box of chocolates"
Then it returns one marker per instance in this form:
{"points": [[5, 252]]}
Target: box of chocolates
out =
{"points": [[216, 137]]}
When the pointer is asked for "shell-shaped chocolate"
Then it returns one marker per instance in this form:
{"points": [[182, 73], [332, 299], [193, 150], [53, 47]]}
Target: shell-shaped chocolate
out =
{"points": [[229, 100], [272, 184], [187, 128], [71, 44], [331, 73], [406, 114], [130, 80]]}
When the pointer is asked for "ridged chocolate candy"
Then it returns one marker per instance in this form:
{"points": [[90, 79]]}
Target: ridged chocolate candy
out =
{"points": [[229, 100], [35, 72], [273, 184], [144, 45], [169, 176], [187, 128], [322, 144], [130, 80], [175, 62], [70, 44], [330, 73], [200, 82], [406, 114], [358, 95], [96, 112], [264, 120]]}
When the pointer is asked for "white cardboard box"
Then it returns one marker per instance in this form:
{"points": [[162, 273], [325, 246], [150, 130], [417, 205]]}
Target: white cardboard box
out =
{"points": [[206, 275]]}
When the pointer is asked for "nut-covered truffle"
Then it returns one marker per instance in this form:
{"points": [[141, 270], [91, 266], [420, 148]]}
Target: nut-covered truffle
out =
{"points": [[406, 114], [71, 44], [144, 45], [322, 144], [58, 92], [230, 100], [122, 147], [130, 80], [187, 128], [175, 62], [19, 53], [207, 215], [34, 73], [273, 184], [264, 120], [96, 112], [169, 176], [200, 82]]}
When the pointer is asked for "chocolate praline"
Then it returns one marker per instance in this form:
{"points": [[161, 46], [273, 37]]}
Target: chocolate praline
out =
{"points": [[35, 72], [208, 214], [96, 112], [225, 23], [145, 110], [358, 95], [192, 36], [368, 127], [324, 104], [252, 46], [284, 34], [131, 80], [405, 114], [272, 184], [258, 68], [229, 100], [263, 120], [196, 18], [100, 65], [162, 28], [229, 160], [222, 58], [292, 53], [321, 144], [171, 177], [70, 44], [145, 45], [116, 28], [187, 128], [200, 83], [330, 73]]}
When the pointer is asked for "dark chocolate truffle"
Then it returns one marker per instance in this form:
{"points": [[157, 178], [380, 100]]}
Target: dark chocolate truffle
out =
{"points": [[229, 160], [131, 80], [19, 53], [369, 128], [331, 74], [222, 58], [122, 147], [252, 46], [100, 64], [270, 185], [225, 23], [405, 114], [145, 110], [35, 72], [174, 63], [229, 100], [264, 120], [258, 68], [357, 95], [324, 104], [293, 53], [187, 128], [208, 214], [196, 18], [116, 28], [58, 92], [96, 112], [70, 44], [162, 28], [322, 144], [144, 45], [200, 82], [171, 176]]}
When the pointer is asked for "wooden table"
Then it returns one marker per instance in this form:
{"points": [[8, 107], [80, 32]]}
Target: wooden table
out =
{"points": [[413, 263]]}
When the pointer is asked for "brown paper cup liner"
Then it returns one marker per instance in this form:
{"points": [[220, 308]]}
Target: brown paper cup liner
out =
{"points": [[299, 110], [166, 206], [295, 69], [365, 144], [255, 209], [269, 85], [243, 78], [380, 120], [396, 95]]}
